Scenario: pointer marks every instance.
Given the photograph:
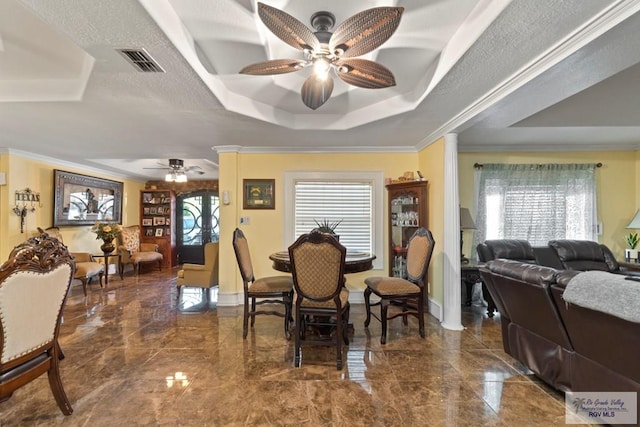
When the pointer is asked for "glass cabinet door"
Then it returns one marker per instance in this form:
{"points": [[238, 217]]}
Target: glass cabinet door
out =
{"points": [[407, 212]]}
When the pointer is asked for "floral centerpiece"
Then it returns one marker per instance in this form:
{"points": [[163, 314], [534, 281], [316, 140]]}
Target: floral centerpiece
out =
{"points": [[107, 231]]}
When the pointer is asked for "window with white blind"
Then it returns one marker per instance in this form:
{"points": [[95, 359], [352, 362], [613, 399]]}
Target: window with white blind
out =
{"points": [[352, 199]]}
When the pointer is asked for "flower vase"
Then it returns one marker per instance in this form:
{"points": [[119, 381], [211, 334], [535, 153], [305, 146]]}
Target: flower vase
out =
{"points": [[107, 247]]}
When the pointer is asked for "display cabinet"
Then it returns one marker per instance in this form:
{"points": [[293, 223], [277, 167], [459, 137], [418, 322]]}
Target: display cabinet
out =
{"points": [[407, 212], [157, 222]]}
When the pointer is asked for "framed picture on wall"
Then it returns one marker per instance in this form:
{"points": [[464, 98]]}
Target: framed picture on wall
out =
{"points": [[258, 194]]}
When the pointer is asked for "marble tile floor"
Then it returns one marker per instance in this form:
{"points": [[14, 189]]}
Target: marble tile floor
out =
{"points": [[136, 355]]}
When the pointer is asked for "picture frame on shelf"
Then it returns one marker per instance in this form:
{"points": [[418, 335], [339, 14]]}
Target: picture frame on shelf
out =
{"points": [[158, 220], [159, 232], [145, 211], [258, 194], [153, 211], [147, 222], [149, 232], [147, 197]]}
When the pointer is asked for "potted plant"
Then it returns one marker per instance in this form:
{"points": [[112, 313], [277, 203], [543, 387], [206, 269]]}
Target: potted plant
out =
{"points": [[632, 240], [326, 226]]}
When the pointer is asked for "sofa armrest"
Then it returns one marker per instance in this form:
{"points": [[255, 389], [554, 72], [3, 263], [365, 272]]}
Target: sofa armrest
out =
{"points": [[193, 267], [629, 269], [148, 247], [82, 256]]}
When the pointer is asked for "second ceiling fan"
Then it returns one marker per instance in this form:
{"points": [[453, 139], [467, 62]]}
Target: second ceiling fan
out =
{"points": [[324, 50]]}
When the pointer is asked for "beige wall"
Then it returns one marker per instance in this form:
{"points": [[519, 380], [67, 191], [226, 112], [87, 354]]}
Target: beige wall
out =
{"points": [[617, 183], [24, 172]]}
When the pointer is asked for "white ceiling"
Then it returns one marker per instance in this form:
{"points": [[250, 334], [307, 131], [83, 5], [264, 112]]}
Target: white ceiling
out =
{"points": [[506, 75]]}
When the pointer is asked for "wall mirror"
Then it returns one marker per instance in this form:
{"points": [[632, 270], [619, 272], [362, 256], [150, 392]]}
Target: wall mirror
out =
{"points": [[83, 200]]}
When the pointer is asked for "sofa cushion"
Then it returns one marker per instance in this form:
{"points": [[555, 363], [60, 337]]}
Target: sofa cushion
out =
{"points": [[522, 271], [88, 269]]}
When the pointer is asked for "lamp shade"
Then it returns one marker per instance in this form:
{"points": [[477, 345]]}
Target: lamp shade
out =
{"points": [[635, 222], [466, 222]]}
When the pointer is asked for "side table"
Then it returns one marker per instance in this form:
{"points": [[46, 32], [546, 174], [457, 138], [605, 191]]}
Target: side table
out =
{"points": [[470, 275], [106, 257]]}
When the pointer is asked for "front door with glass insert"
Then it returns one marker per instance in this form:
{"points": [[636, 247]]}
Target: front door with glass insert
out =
{"points": [[198, 223]]}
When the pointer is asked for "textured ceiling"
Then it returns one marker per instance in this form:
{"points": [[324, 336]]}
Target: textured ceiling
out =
{"points": [[517, 75]]}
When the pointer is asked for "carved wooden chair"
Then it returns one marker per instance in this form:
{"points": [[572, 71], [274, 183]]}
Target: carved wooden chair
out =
{"points": [[265, 290], [317, 264], [34, 282], [201, 275], [134, 252], [86, 267], [408, 294]]}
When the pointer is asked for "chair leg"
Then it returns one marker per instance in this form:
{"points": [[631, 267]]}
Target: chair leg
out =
{"points": [[55, 383], [287, 314], [367, 304], [421, 315], [160, 265], [100, 279], [84, 285], [245, 317], [384, 307], [253, 312], [345, 329], [297, 331], [339, 332]]}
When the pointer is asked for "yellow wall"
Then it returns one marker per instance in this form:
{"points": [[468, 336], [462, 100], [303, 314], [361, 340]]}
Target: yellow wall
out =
{"points": [[616, 182], [23, 172], [431, 164], [265, 233]]}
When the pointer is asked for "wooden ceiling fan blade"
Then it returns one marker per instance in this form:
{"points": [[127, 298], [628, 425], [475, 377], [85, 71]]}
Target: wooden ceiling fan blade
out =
{"points": [[365, 31], [274, 66], [316, 91], [364, 73], [287, 28]]}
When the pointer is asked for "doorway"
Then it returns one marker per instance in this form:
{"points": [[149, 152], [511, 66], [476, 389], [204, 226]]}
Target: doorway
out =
{"points": [[198, 222]]}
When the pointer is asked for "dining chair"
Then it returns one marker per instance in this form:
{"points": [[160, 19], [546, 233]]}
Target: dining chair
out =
{"points": [[317, 261], [408, 294], [265, 290], [34, 283]]}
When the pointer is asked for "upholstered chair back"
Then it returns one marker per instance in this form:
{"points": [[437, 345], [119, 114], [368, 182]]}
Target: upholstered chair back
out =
{"points": [[243, 256], [39, 272], [419, 255], [514, 249], [317, 261], [130, 238]]}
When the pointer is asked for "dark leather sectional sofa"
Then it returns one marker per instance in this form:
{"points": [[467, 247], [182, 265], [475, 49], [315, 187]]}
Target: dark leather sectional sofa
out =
{"points": [[570, 347]]}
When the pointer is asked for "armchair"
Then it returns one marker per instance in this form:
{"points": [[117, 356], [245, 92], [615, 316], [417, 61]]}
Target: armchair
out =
{"points": [[86, 267], [34, 283], [201, 276], [134, 252]]}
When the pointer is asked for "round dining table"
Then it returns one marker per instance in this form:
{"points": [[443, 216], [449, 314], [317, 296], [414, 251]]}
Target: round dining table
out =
{"points": [[354, 262]]}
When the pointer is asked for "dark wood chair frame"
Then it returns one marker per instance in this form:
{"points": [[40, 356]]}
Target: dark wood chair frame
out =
{"points": [[41, 255], [319, 318], [411, 304], [254, 299]]}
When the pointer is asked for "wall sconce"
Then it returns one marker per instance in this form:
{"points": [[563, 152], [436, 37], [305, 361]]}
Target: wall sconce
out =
{"points": [[25, 202]]}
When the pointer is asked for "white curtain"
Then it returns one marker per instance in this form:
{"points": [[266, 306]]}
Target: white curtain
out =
{"points": [[537, 203]]}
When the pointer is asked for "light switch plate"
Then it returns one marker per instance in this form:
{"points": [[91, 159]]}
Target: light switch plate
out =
{"points": [[244, 220]]}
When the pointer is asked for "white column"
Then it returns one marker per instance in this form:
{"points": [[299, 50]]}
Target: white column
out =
{"points": [[452, 318]]}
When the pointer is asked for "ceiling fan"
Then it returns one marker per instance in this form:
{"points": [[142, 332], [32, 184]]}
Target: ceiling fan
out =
{"points": [[324, 50], [177, 170]]}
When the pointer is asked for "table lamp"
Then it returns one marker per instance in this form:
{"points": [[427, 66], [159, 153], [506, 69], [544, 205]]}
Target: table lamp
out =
{"points": [[466, 223]]}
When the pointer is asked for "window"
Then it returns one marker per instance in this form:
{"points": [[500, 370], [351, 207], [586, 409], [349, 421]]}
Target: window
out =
{"points": [[537, 203], [353, 198]]}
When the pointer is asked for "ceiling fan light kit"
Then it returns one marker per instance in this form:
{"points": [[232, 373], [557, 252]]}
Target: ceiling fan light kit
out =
{"points": [[178, 171], [324, 51]]}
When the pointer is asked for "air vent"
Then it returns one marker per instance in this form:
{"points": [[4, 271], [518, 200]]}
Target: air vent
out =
{"points": [[141, 60]]}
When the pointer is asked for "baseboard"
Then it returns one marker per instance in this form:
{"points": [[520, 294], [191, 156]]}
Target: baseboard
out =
{"points": [[230, 299]]}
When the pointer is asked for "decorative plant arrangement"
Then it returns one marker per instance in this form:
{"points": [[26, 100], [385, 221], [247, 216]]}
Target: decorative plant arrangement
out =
{"points": [[631, 253], [632, 240], [106, 231], [327, 226]]}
